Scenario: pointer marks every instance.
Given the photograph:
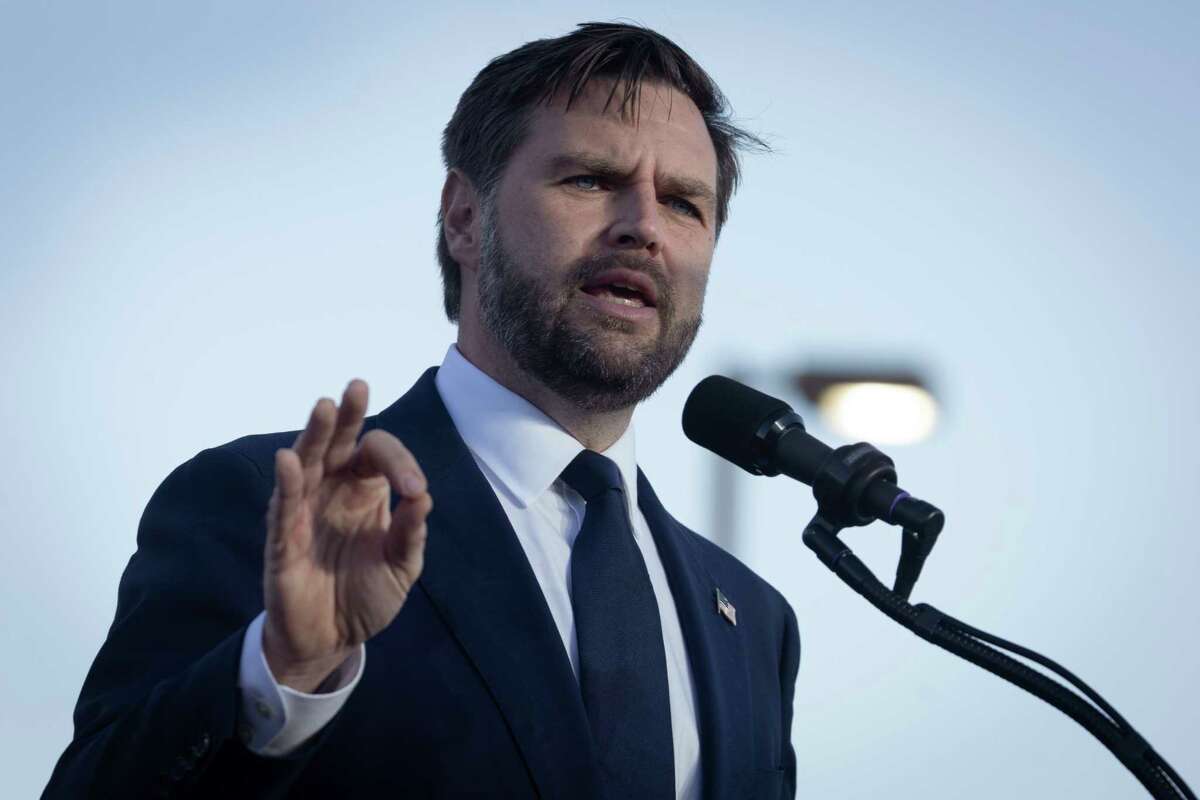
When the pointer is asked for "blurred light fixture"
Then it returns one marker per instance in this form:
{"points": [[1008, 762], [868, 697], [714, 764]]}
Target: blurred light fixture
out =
{"points": [[878, 406]]}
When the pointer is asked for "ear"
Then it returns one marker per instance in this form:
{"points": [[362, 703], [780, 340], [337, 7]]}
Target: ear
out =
{"points": [[460, 219]]}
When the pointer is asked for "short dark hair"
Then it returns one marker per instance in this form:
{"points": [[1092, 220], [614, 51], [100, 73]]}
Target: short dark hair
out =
{"points": [[492, 116]]}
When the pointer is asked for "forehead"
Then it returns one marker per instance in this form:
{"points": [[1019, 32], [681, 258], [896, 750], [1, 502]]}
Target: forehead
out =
{"points": [[663, 128]]}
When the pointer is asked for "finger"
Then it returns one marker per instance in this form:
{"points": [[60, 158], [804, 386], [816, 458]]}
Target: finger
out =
{"points": [[349, 424], [313, 441], [286, 504], [404, 548], [381, 453]]}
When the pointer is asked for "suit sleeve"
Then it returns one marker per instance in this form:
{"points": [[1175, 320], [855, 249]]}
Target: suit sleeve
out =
{"points": [[789, 666], [158, 712]]}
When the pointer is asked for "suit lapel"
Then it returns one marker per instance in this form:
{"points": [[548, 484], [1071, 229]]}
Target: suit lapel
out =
{"points": [[478, 578], [715, 651]]}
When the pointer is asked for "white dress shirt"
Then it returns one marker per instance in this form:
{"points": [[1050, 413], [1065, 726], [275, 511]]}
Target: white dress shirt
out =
{"points": [[522, 453]]}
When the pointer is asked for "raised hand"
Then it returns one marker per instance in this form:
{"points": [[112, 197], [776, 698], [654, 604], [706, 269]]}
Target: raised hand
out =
{"points": [[339, 562]]}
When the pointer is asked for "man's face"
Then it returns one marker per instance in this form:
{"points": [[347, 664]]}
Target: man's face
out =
{"points": [[589, 204]]}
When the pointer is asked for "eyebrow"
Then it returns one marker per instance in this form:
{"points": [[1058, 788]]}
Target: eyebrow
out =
{"points": [[676, 185]]}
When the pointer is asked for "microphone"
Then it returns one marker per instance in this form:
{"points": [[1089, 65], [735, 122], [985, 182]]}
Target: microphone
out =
{"points": [[854, 485]]}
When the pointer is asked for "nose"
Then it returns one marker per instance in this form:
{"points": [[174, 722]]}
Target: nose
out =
{"points": [[636, 224]]}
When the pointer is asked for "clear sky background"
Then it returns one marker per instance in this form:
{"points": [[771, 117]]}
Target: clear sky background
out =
{"points": [[214, 213]]}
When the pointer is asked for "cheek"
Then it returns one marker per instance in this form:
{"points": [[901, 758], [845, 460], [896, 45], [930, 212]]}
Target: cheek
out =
{"points": [[690, 285], [551, 233]]}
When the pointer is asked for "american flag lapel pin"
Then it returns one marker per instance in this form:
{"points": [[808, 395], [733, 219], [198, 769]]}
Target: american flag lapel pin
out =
{"points": [[725, 608]]}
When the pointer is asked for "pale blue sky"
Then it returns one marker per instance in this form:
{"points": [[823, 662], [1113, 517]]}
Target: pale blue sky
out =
{"points": [[215, 213]]}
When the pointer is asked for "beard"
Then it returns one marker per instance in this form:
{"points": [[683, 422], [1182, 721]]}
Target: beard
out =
{"points": [[598, 367]]}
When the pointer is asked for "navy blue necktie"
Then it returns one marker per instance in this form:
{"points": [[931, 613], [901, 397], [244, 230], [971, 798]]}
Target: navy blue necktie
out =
{"points": [[622, 664]]}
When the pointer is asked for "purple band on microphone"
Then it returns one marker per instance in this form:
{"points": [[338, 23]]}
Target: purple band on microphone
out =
{"points": [[899, 497]]}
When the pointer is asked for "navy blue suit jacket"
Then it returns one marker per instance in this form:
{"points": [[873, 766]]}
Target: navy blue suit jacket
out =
{"points": [[468, 693]]}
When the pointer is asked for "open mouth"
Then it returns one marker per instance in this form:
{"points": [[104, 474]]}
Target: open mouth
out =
{"points": [[624, 287], [619, 293]]}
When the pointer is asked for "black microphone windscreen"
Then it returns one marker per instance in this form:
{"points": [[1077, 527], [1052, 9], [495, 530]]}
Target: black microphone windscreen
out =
{"points": [[725, 416]]}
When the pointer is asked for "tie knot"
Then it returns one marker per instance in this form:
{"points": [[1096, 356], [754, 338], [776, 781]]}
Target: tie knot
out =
{"points": [[591, 474]]}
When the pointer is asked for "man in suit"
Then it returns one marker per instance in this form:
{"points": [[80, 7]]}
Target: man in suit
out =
{"points": [[475, 593]]}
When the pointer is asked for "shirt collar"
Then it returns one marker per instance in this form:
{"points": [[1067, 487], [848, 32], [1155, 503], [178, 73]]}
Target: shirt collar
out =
{"points": [[525, 449]]}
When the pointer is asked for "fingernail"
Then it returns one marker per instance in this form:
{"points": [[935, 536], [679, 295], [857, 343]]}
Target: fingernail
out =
{"points": [[412, 485]]}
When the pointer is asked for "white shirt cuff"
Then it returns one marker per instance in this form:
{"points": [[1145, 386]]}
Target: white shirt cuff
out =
{"points": [[276, 719]]}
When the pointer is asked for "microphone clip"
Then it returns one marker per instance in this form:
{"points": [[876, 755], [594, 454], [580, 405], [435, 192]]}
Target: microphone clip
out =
{"points": [[855, 485]]}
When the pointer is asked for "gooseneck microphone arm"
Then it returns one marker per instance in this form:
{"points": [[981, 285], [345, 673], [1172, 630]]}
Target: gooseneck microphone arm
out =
{"points": [[855, 485], [932, 625]]}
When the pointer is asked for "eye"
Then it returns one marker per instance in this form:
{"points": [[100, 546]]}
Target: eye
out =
{"points": [[683, 206], [587, 183]]}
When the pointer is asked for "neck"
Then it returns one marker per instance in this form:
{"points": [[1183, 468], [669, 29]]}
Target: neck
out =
{"points": [[595, 430]]}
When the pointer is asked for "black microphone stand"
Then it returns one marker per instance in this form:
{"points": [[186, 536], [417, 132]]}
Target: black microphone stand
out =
{"points": [[850, 473]]}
